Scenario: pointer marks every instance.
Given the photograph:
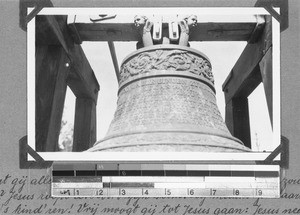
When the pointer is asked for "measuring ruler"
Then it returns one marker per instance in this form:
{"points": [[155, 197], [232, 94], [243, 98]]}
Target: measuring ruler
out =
{"points": [[164, 180]]}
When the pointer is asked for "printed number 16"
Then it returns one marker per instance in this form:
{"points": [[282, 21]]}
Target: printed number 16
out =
{"points": [[191, 192]]}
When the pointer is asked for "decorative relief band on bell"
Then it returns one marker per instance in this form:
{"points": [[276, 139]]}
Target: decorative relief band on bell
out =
{"points": [[163, 59]]}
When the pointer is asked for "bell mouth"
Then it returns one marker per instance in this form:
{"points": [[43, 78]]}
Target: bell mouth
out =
{"points": [[166, 60], [167, 141], [177, 128]]}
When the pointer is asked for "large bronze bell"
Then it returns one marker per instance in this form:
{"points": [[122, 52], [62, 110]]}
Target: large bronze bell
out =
{"points": [[167, 102]]}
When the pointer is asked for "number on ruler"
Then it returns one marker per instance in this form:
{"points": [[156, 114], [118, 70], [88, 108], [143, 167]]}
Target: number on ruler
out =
{"points": [[146, 192], [236, 192], [213, 192], [191, 192], [77, 192], [259, 192], [168, 192], [123, 192], [99, 192]]}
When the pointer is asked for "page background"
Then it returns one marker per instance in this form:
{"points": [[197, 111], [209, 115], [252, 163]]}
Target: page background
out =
{"points": [[13, 106]]}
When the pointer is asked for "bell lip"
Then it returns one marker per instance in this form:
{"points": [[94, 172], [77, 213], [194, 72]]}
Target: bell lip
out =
{"points": [[202, 131], [237, 143], [241, 149], [166, 47]]}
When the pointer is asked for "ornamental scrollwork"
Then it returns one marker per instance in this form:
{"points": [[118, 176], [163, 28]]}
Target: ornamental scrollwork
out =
{"points": [[168, 60]]}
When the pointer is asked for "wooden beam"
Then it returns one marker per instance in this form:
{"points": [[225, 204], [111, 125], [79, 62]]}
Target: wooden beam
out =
{"points": [[57, 25], [127, 31], [260, 24], [243, 79], [283, 16], [54, 30], [242, 72], [51, 91], [51, 74], [37, 6], [82, 80], [267, 79], [85, 124], [237, 119], [114, 58], [75, 35], [245, 87]]}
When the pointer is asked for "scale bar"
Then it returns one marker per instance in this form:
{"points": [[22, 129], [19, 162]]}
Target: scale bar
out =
{"points": [[170, 180], [264, 174], [168, 192]]}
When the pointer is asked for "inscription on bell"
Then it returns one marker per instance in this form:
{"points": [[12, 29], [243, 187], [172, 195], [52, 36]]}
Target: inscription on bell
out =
{"points": [[166, 102]]}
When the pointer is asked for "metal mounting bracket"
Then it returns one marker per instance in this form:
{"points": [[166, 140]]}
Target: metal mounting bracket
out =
{"points": [[103, 17]]}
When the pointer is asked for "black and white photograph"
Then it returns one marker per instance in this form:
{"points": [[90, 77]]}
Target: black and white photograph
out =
{"points": [[156, 82], [149, 107]]}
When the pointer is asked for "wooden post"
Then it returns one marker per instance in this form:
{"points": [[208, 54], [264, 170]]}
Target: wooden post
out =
{"points": [[52, 80], [51, 74], [85, 124], [82, 80], [114, 58], [239, 83], [266, 73], [237, 119]]}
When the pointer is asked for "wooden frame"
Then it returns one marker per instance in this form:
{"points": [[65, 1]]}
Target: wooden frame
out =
{"points": [[253, 67], [80, 89], [66, 64]]}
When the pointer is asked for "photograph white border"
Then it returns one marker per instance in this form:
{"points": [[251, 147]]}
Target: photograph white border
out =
{"points": [[152, 156]]}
